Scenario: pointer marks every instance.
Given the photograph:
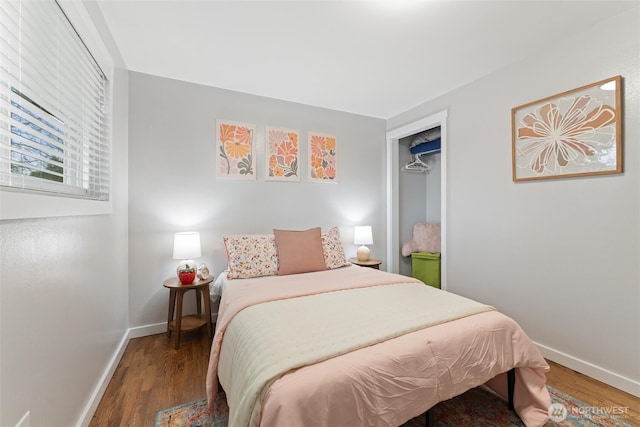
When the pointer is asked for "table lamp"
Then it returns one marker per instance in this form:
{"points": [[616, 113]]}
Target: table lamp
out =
{"points": [[362, 236], [186, 246]]}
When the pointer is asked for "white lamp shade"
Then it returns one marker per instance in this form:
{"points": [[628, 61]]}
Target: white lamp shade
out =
{"points": [[362, 235], [186, 245]]}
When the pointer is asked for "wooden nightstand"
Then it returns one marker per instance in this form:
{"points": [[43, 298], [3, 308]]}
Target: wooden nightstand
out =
{"points": [[371, 262], [191, 322]]}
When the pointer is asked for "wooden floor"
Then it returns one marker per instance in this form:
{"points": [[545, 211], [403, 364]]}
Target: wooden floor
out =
{"points": [[153, 376]]}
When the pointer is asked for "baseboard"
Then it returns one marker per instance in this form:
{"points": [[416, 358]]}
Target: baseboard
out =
{"points": [[101, 387], [143, 331], [596, 372]]}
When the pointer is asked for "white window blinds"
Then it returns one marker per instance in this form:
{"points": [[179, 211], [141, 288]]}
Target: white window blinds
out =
{"points": [[53, 107]]}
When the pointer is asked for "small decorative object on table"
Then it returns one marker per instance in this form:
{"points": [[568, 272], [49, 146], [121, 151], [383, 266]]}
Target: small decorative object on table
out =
{"points": [[203, 272], [186, 272]]}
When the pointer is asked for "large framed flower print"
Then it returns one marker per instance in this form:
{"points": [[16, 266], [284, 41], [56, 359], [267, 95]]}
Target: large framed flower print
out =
{"points": [[235, 150], [574, 133]]}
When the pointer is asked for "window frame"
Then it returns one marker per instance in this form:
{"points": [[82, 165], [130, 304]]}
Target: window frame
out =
{"points": [[18, 203]]}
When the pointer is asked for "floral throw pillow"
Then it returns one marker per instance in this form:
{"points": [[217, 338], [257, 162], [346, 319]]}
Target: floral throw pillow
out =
{"points": [[251, 255], [332, 246]]}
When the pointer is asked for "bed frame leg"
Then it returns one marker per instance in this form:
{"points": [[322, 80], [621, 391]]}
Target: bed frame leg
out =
{"points": [[511, 384], [428, 418]]}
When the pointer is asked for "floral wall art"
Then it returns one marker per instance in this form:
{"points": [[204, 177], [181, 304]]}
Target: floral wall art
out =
{"points": [[235, 150], [574, 133], [282, 154], [322, 158]]}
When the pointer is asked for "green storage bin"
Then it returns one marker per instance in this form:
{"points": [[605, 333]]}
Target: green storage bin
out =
{"points": [[425, 266]]}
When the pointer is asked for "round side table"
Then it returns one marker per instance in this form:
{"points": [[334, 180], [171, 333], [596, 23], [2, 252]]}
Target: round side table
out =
{"points": [[371, 262], [194, 321]]}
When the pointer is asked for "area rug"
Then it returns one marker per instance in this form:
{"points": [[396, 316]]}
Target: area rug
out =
{"points": [[477, 407]]}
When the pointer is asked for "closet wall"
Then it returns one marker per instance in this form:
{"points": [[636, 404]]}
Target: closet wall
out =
{"points": [[419, 198]]}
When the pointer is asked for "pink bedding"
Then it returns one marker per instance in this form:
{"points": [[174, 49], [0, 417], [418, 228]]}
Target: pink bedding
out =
{"points": [[388, 383]]}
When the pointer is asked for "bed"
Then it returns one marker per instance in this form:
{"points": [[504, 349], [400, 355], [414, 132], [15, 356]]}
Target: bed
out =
{"points": [[354, 346]]}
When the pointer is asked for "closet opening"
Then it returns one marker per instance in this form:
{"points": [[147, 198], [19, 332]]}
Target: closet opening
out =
{"points": [[419, 195], [416, 186]]}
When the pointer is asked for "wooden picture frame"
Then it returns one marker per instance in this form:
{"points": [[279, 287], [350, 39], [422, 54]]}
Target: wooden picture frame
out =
{"points": [[574, 133]]}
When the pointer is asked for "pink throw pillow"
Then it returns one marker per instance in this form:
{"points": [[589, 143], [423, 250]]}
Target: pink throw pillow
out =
{"points": [[299, 251]]}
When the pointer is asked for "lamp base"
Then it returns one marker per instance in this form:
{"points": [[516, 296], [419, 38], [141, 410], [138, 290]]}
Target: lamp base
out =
{"points": [[187, 271], [363, 253]]}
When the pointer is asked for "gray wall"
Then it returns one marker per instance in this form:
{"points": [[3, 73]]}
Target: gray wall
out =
{"points": [[173, 186], [559, 256], [64, 297]]}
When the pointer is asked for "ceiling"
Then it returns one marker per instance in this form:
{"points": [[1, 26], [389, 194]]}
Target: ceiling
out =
{"points": [[375, 58]]}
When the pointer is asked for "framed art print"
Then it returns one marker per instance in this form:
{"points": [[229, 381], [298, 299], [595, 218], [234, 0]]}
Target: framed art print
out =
{"points": [[235, 150], [574, 133], [282, 154], [322, 158]]}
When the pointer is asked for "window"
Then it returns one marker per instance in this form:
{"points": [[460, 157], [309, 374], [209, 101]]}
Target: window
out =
{"points": [[54, 122]]}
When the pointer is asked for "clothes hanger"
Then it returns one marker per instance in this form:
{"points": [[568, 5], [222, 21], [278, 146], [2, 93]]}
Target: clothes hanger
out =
{"points": [[416, 165]]}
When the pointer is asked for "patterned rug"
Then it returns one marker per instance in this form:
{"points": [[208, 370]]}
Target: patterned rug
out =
{"points": [[477, 407]]}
